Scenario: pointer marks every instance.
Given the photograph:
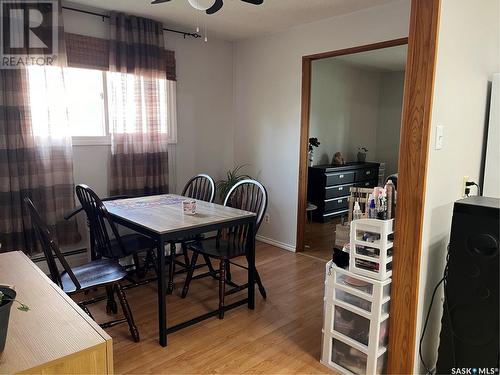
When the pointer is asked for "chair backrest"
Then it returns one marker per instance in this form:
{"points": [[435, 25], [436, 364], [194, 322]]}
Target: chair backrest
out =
{"points": [[201, 187], [49, 247], [97, 218], [248, 195]]}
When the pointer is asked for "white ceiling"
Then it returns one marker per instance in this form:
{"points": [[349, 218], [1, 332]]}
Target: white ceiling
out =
{"points": [[392, 59], [237, 20]]}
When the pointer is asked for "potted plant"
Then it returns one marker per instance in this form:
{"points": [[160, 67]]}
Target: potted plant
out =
{"points": [[7, 298], [313, 142], [233, 176], [362, 154]]}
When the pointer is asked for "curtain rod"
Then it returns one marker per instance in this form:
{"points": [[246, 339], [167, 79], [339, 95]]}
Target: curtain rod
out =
{"points": [[183, 33]]}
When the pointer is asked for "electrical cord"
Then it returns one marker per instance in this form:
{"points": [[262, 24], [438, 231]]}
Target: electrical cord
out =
{"points": [[443, 281]]}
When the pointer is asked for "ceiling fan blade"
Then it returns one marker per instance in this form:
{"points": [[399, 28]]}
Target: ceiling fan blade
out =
{"points": [[254, 2], [159, 1], [216, 7]]}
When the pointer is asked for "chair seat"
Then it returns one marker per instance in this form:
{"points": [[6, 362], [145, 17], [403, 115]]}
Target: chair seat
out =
{"points": [[132, 243], [225, 250], [93, 274]]}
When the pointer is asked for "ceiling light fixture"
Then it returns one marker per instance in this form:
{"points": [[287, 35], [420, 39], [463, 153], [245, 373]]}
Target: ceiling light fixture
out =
{"points": [[209, 7], [201, 4]]}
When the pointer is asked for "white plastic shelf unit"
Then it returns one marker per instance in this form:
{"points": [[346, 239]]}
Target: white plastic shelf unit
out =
{"points": [[356, 322], [371, 248]]}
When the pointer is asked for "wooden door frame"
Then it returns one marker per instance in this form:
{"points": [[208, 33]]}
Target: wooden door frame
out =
{"points": [[304, 122], [413, 155]]}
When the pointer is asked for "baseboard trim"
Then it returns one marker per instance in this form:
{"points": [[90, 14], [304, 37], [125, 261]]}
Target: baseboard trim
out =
{"points": [[279, 244]]}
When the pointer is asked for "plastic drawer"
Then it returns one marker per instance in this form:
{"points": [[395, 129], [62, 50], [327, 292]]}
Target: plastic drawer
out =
{"points": [[383, 340], [355, 283], [351, 325], [348, 357], [382, 364], [353, 300]]}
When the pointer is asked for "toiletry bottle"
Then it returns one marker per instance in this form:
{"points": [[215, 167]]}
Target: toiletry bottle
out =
{"points": [[356, 213], [391, 198], [372, 210]]}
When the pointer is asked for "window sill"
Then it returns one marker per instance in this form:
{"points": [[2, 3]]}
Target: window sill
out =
{"points": [[100, 141], [91, 141]]}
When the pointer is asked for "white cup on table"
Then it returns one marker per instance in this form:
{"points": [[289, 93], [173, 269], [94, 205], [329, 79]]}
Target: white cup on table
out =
{"points": [[189, 207]]}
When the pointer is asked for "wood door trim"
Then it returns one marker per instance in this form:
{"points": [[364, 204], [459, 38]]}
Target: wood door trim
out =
{"points": [[357, 49], [304, 143], [304, 122], [413, 155]]}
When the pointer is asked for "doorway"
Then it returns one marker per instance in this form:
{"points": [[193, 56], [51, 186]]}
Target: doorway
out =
{"points": [[354, 128]]}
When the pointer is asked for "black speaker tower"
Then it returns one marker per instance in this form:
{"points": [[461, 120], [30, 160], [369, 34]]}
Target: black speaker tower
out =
{"points": [[470, 324]]}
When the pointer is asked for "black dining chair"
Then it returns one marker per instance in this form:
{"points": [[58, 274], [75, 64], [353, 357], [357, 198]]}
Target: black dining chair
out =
{"points": [[200, 187], [106, 241], [248, 195], [105, 273]]}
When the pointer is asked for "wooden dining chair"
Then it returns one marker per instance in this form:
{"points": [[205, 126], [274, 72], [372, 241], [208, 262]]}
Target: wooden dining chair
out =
{"points": [[105, 238], [105, 273], [248, 195], [200, 187]]}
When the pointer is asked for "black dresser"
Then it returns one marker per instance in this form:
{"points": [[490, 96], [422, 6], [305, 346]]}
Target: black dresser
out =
{"points": [[328, 186]]}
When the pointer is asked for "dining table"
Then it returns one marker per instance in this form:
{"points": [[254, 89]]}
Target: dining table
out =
{"points": [[162, 218]]}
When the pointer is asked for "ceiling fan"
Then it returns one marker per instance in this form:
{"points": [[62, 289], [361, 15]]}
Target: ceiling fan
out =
{"points": [[210, 6]]}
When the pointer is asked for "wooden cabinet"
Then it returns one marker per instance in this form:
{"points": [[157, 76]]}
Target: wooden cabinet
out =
{"points": [[55, 336], [328, 186]]}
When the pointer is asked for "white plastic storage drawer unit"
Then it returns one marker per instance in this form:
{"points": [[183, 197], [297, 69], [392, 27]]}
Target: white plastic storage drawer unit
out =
{"points": [[356, 322], [371, 248]]}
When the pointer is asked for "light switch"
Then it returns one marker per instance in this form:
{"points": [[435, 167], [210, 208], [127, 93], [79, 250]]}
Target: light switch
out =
{"points": [[439, 137]]}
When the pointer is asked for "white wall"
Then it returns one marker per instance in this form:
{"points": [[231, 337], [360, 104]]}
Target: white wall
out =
{"points": [[204, 110], [354, 107], [344, 110], [389, 120], [468, 54], [267, 79]]}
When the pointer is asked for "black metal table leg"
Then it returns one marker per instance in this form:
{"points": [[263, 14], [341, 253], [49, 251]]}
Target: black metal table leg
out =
{"points": [[162, 288], [251, 265]]}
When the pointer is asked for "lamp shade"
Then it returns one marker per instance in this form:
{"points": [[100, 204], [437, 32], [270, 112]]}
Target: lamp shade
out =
{"points": [[201, 4]]}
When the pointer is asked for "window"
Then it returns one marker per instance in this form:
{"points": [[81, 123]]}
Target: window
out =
{"points": [[84, 93], [86, 109]]}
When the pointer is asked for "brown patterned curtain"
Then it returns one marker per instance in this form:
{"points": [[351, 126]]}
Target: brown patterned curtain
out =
{"points": [[89, 52], [137, 98], [34, 162]]}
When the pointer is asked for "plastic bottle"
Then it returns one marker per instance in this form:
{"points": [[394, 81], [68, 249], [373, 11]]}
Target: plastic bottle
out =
{"points": [[372, 209], [356, 213]]}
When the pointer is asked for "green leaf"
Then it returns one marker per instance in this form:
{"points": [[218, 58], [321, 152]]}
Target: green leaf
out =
{"points": [[23, 307]]}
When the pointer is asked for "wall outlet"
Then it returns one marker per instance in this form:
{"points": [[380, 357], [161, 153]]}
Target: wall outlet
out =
{"points": [[267, 218], [439, 137], [465, 179]]}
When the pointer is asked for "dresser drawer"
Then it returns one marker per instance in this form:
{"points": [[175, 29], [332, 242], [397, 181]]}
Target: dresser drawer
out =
{"points": [[337, 191], [366, 174], [339, 178], [336, 204], [367, 184]]}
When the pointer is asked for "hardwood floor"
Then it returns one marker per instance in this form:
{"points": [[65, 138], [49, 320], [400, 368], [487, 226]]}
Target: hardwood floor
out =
{"points": [[320, 239], [282, 334]]}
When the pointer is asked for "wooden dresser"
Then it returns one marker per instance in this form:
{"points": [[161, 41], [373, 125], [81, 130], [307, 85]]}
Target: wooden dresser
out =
{"points": [[328, 186], [55, 336]]}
